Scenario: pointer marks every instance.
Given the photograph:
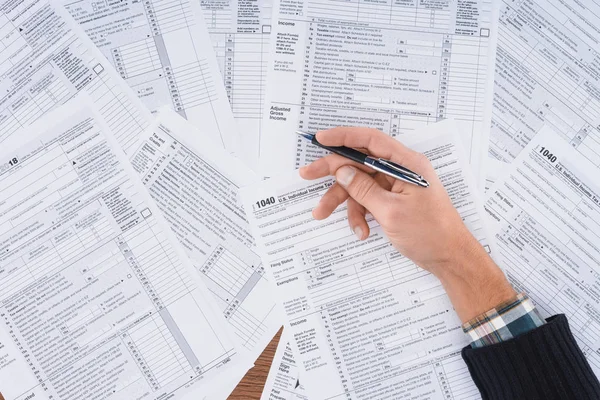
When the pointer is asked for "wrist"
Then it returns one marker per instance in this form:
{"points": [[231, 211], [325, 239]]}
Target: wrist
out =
{"points": [[473, 281]]}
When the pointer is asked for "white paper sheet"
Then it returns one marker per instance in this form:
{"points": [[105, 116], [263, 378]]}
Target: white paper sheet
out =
{"points": [[363, 319], [392, 65], [240, 32], [98, 300], [196, 186], [546, 74], [546, 212], [283, 382], [43, 64], [226, 389], [161, 48]]}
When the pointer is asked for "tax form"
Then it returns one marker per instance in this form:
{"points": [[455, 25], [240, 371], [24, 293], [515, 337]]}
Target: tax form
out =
{"points": [[43, 63], [196, 185], [547, 71], [283, 382], [546, 212], [240, 32], [97, 298], [364, 321], [161, 48], [392, 65]]}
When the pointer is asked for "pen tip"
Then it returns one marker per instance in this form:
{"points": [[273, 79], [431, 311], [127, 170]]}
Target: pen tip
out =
{"points": [[307, 135]]}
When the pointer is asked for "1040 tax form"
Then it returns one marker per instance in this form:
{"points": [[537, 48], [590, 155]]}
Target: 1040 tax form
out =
{"points": [[546, 213], [392, 65], [547, 71], [97, 299], [363, 320]]}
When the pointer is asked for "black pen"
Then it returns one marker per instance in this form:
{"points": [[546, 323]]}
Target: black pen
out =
{"points": [[386, 167]]}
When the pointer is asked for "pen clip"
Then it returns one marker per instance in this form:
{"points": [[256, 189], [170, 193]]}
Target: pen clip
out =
{"points": [[401, 169]]}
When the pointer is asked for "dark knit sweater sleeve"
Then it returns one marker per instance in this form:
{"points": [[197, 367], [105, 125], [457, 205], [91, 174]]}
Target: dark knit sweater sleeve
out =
{"points": [[545, 363]]}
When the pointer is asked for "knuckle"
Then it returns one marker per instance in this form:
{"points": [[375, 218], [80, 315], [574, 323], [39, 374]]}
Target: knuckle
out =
{"points": [[364, 188], [375, 132], [355, 214], [340, 195]]}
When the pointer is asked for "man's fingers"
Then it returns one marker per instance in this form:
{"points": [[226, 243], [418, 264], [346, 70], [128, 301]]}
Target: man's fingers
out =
{"points": [[362, 188], [385, 181], [334, 196], [356, 219], [378, 143], [326, 166]]}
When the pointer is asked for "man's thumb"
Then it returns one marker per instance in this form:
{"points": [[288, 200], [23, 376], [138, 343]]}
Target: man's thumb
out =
{"points": [[361, 187]]}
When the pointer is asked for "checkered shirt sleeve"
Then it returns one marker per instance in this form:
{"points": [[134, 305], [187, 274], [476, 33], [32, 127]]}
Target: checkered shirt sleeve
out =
{"points": [[506, 321]]}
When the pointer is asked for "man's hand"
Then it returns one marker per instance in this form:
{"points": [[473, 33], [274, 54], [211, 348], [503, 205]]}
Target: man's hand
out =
{"points": [[421, 223]]}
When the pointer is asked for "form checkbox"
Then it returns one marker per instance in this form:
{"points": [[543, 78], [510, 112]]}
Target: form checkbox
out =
{"points": [[146, 213], [266, 29], [484, 32], [98, 68]]}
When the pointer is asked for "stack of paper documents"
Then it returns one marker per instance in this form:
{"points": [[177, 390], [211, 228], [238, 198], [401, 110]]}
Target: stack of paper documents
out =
{"points": [[98, 296], [138, 259]]}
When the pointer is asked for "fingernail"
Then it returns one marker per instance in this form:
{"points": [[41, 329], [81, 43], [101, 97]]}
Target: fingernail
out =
{"points": [[345, 175], [358, 232]]}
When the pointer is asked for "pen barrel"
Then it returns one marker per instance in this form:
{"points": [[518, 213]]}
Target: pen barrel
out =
{"points": [[343, 151], [384, 169]]}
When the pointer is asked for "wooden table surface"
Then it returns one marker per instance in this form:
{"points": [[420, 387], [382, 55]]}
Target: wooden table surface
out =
{"points": [[251, 387]]}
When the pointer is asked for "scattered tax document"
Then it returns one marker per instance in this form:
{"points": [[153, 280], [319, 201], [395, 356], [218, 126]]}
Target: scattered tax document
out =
{"points": [[392, 65], [364, 321], [546, 75], [196, 185], [44, 63], [283, 382], [97, 298], [240, 34], [161, 48], [545, 211]]}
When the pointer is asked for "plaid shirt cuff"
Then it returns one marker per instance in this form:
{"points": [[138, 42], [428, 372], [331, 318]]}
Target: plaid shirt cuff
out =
{"points": [[506, 321]]}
